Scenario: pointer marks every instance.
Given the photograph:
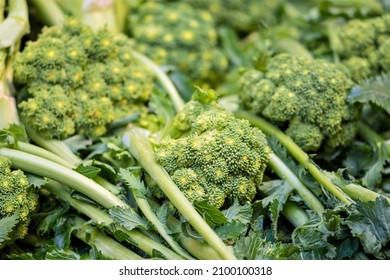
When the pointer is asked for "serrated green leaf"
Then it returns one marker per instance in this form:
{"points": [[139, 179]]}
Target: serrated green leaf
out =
{"points": [[18, 132], [377, 92], [35, 180], [247, 247], [127, 218], [212, 215], [88, 170], [12, 135], [6, 226], [370, 222], [77, 143], [231, 230], [133, 183], [373, 175], [275, 189], [239, 213]]}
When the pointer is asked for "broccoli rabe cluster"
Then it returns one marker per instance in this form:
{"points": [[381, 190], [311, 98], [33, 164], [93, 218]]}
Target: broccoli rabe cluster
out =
{"points": [[16, 196], [308, 97], [178, 35], [78, 81], [242, 15], [365, 46], [211, 155]]}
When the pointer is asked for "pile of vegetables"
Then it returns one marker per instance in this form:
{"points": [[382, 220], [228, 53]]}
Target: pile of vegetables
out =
{"points": [[201, 130]]}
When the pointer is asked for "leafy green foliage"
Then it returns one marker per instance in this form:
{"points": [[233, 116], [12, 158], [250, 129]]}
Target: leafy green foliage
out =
{"points": [[7, 224], [376, 91], [210, 213], [128, 218], [370, 222]]}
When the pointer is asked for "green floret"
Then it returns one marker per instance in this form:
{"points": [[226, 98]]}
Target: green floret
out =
{"points": [[78, 81], [177, 34], [242, 15], [16, 197], [365, 46], [307, 96], [211, 155]]}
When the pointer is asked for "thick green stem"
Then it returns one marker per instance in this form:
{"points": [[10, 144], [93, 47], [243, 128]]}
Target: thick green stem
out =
{"points": [[371, 137], [355, 191], [163, 79], [49, 12], [199, 249], [8, 112], [292, 47], [149, 214], [146, 244], [360, 193], [296, 152], [109, 247], [100, 14], [52, 170], [282, 170], [15, 25], [38, 151], [55, 146], [295, 214], [143, 152]]}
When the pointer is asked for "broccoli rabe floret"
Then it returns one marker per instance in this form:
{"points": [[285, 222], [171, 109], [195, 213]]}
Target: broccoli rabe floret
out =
{"points": [[365, 46], [306, 96], [78, 81], [242, 15], [16, 196], [211, 155], [178, 35]]}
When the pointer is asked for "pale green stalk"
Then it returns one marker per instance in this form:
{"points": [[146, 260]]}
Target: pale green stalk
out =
{"points": [[140, 148], [107, 246], [15, 25], [149, 214], [282, 170], [296, 152], [52, 170], [99, 216]]}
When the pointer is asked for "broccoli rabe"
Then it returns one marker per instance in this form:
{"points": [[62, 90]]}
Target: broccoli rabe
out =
{"points": [[363, 45], [242, 15], [308, 96], [178, 35], [16, 197], [78, 81], [211, 155]]}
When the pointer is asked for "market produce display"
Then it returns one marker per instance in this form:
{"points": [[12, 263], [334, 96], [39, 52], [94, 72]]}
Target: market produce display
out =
{"points": [[194, 130]]}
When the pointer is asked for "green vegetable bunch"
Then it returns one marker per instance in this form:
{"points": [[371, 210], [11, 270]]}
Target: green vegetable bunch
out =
{"points": [[244, 15], [307, 96], [18, 201], [77, 81], [177, 34], [211, 155], [363, 46]]}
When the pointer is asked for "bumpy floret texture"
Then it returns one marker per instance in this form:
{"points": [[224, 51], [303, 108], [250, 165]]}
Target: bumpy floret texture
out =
{"points": [[178, 35], [16, 196], [78, 81], [365, 46], [242, 15], [217, 157], [307, 97]]}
